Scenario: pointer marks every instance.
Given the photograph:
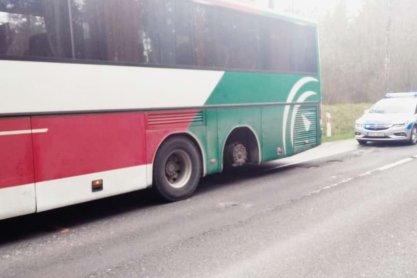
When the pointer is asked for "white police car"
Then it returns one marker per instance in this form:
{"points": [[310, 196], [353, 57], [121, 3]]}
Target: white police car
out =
{"points": [[393, 118]]}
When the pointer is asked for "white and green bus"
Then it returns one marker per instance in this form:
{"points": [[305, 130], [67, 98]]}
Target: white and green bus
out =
{"points": [[102, 97]]}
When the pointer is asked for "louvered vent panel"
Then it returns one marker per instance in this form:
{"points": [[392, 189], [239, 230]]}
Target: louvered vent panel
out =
{"points": [[156, 119], [305, 132]]}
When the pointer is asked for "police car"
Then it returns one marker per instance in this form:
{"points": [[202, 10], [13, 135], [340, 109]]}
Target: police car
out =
{"points": [[393, 118]]}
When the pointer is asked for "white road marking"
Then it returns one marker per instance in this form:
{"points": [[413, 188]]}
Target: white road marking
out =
{"points": [[398, 163], [334, 185], [368, 173]]}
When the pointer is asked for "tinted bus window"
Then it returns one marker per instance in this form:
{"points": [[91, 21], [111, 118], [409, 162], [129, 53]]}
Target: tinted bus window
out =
{"points": [[183, 33], [207, 51], [288, 47], [105, 30], [277, 45], [145, 32], [34, 29], [108, 31], [305, 50], [171, 33], [237, 40], [167, 32]]}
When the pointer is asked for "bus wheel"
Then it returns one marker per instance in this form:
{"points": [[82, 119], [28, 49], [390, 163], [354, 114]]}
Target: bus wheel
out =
{"points": [[241, 148], [236, 155], [177, 169]]}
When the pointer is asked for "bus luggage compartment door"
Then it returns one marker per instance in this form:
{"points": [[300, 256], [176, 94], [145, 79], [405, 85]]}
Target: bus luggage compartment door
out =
{"points": [[17, 189]]}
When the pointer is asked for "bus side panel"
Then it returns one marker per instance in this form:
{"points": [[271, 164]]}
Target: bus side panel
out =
{"points": [[17, 192], [79, 149], [231, 118], [306, 129], [212, 144], [272, 132]]}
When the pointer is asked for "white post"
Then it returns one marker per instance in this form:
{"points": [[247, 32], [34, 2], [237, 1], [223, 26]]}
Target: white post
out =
{"points": [[328, 124]]}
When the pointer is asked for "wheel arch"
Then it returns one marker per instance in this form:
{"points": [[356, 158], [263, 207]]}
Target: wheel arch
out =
{"points": [[249, 130]]}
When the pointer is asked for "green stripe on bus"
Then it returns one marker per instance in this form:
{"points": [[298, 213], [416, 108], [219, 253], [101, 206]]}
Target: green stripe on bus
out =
{"points": [[266, 122]]}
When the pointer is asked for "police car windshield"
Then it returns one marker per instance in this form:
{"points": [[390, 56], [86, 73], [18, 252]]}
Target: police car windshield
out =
{"points": [[394, 106]]}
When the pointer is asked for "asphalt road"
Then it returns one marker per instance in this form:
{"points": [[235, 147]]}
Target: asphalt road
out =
{"points": [[340, 211]]}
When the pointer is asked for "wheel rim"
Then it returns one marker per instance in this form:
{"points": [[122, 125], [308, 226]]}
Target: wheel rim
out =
{"points": [[178, 168]]}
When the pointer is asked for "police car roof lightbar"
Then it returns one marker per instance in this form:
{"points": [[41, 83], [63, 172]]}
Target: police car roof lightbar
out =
{"points": [[398, 95]]}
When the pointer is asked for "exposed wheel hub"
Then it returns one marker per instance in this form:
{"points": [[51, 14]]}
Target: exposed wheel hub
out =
{"points": [[178, 169], [172, 168], [239, 154]]}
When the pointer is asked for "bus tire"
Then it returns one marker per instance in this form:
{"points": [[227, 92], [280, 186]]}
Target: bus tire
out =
{"points": [[177, 169]]}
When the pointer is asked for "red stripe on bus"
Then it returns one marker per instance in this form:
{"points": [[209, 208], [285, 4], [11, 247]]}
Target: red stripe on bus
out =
{"points": [[75, 145], [16, 159], [83, 144]]}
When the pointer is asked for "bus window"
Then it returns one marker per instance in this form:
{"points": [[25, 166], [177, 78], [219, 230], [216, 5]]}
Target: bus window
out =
{"points": [[105, 30], [238, 36], [206, 52], [277, 40], [36, 29], [183, 34], [165, 24], [305, 49]]}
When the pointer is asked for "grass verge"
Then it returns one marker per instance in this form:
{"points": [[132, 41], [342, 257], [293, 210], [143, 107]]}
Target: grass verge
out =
{"points": [[343, 117]]}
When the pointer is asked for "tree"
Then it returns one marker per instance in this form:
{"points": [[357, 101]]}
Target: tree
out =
{"points": [[365, 56]]}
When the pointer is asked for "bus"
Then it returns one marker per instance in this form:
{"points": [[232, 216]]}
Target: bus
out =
{"points": [[104, 97]]}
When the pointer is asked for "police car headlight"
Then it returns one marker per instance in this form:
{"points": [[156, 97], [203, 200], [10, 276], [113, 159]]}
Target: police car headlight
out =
{"points": [[399, 125]]}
